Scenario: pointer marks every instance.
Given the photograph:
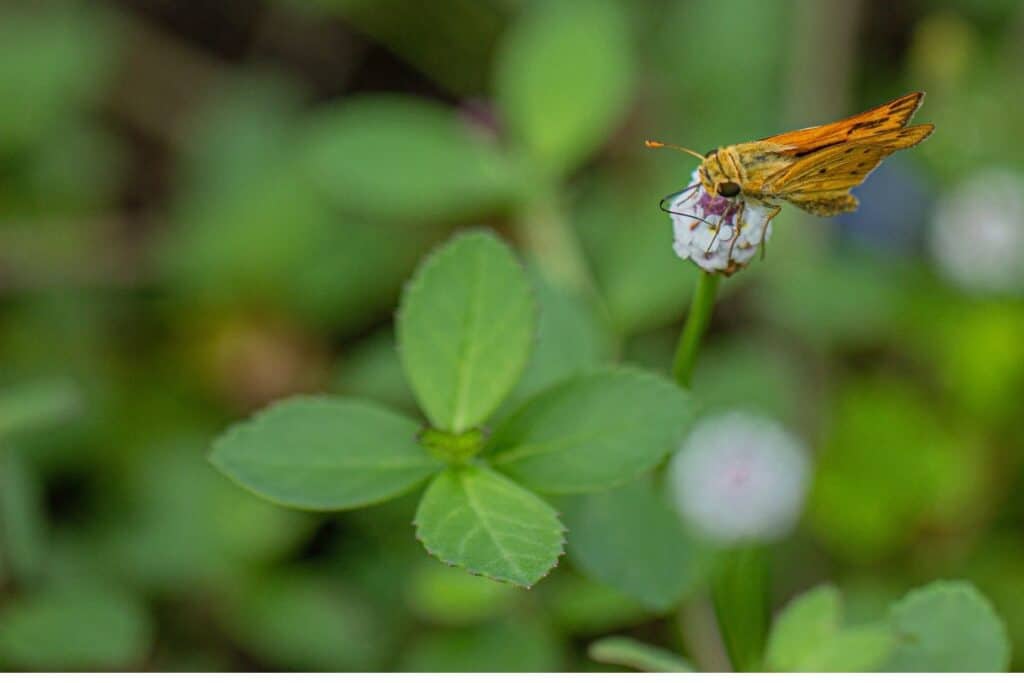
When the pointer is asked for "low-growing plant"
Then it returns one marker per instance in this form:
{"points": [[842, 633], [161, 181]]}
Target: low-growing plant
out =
{"points": [[465, 329]]}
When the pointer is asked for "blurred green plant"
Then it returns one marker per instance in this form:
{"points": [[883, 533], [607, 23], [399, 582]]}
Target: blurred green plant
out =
{"points": [[465, 330]]}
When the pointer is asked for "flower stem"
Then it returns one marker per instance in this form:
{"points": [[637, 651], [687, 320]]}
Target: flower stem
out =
{"points": [[697, 320], [740, 593], [739, 585]]}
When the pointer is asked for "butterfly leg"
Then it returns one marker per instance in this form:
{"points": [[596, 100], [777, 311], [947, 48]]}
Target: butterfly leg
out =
{"points": [[738, 222], [764, 239], [718, 228]]}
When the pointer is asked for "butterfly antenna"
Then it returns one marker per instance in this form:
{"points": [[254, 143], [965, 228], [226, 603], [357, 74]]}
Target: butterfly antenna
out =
{"points": [[654, 144], [680, 213]]}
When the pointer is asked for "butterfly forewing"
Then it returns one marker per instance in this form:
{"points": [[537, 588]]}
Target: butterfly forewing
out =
{"points": [[883, 118]]}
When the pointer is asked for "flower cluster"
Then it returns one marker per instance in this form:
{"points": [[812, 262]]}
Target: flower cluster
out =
{"points": [[740, 477], [720, 235]]}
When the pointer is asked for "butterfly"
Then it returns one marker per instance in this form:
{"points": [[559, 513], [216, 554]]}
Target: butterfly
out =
{"points": [[812, 168]]}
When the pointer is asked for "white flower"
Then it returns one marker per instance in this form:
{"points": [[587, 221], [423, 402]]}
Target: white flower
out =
{"points": [[739, 477], [978, 233], [728, 248]]}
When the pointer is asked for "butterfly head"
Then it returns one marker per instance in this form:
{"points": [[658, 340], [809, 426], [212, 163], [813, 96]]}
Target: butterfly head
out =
{"points": [[714, 178]]}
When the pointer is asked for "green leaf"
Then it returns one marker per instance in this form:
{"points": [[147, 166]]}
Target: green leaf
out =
{"points": [[465, 329], [854, 649], [22, 518], [74, 627], [948, 626], [637, 655], [476, 519], [806, 624], [564, 79], [304, 622], [571, 338], [808, 636], [322, 453], [592, 432], [405, 159], [630, 538]]}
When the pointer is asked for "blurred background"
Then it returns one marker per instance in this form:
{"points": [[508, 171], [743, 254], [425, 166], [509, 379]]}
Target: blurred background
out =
{"points": [[205, 206]]}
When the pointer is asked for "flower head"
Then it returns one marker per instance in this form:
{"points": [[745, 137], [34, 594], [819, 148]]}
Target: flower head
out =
{"points": [[739, 477], [721, 235], [978, 233]]}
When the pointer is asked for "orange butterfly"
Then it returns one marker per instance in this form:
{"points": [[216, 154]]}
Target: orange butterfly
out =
{"points": [[812, 168]]}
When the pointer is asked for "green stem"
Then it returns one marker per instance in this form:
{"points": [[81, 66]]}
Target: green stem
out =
{"points": [[740, 593], [739, 583], [697, 320]]}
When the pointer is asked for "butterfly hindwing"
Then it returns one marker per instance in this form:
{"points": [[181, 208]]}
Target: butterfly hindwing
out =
{"points": [[841, 167]]}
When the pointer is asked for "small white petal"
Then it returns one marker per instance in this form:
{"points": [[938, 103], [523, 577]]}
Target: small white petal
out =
{"points": [[712, 240]]}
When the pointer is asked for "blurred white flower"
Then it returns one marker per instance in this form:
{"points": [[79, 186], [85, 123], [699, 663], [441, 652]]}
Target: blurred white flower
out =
{"points": [[978, 233], [740, 477], [716, 251]]}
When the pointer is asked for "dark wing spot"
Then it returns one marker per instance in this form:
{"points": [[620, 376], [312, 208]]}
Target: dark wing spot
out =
{"points": [[811, 150], [868, 124], [822, 170]]}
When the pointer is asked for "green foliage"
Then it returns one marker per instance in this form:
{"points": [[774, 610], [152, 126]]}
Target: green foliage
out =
{"points": [[631, 538], [160, 546], [325, 454], [464, 330], [948, 626], [445, 595], [884, 439], [203, 214], [245, 176], [514, 645], [583, 607], [636, 655], [22, 519], [571, 338], [628, 245], [477, 519], [304, 622], [42, 403], [74, 627], [52, 63], [404, 159], [373, 370], [809, 636], [591, 432], [740, 593], [564, 78]]}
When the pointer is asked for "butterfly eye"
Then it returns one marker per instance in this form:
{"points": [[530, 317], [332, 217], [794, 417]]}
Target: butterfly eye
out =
{"points": [[728, 189]]}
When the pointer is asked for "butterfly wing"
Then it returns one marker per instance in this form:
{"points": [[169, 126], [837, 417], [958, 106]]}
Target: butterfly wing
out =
{"points": [[820, 182], [886, 117]]}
